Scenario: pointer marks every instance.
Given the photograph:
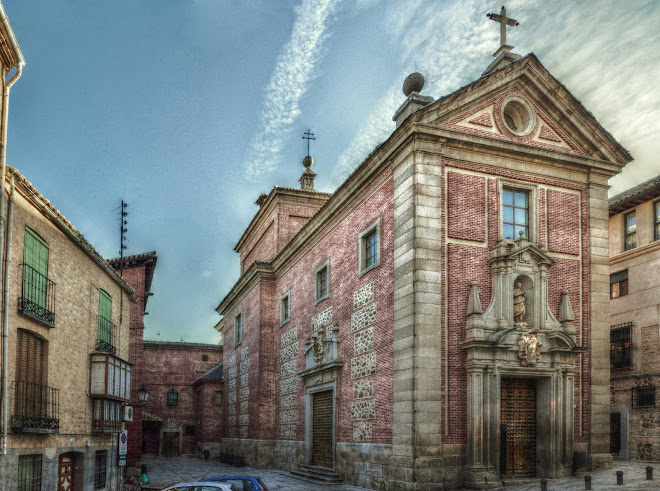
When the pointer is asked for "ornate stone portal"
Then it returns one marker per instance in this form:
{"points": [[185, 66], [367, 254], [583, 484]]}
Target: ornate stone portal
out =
{"points": [[320, 376], [518, 337]]}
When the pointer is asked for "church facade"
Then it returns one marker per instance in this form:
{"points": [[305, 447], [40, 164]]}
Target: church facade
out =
{"points": [[442, 318]]}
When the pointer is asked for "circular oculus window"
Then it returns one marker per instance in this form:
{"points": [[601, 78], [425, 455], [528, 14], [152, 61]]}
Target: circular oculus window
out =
{"points": [[518, 116]]}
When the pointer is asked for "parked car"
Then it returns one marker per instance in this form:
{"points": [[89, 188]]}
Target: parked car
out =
{"points": [[243, 483], [200, 486]]}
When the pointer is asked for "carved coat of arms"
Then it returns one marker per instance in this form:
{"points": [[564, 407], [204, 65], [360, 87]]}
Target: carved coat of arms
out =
{"points": [[529, 349]]}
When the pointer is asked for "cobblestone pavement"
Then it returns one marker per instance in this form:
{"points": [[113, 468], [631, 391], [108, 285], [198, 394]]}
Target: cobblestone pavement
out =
{"points": [[164, 471]]}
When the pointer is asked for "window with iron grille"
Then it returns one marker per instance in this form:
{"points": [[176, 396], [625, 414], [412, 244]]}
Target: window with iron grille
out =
{"points": [[29, 472], [38, 292], [515, 213], [173, 398], [100, 469], [621, 346], [643, 397], [630, 230], [321, 283], [656, 220], [619, 284]]}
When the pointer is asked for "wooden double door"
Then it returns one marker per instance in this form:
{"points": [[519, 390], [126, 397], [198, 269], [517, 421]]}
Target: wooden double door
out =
{"points": [[322, 429], [518, 428]]}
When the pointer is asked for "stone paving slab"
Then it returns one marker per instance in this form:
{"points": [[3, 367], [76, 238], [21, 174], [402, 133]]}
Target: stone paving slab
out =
{"points": [[634, 477], [164, 471]]}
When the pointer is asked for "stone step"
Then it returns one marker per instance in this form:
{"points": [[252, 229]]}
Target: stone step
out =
{"points": [[317, 475]]}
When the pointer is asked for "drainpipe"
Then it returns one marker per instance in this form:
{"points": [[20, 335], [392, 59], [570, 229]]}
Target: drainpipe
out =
{"points": [[5, 320], [3, 169]]}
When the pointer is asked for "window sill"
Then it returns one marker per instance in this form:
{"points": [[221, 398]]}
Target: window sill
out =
{"points": [[369, 268], [319, 300], [285, 321]]}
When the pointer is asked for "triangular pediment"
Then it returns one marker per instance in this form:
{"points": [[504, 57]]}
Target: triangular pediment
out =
{"points": [[557, 121], [530, 254]]}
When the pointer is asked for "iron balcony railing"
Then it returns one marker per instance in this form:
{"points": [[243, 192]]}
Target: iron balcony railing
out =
{"points": [[37, 296], [36, 408], [106, 339]]}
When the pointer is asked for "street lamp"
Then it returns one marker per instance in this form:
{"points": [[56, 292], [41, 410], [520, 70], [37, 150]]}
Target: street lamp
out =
{"points": [[143, 395]]}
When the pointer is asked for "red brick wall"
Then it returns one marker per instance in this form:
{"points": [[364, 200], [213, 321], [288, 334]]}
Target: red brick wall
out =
{"points": [[261, 314], [564, 214], [563, 222], [466, 208], [135, 277], [176, 367]]}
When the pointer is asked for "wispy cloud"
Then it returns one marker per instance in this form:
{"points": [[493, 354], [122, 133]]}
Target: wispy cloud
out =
{"points": [[294, 70], [603, 56], [441, 42]]}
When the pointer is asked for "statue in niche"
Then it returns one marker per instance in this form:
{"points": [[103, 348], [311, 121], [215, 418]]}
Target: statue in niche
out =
{"points": [[529, 349], [519, 304], [317, 341]]}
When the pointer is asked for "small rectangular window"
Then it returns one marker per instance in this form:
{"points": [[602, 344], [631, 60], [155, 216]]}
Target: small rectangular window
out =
{"points": [[218, 397], [515, 213], [238, 329], [285, 308], [189, 430], [630, 229], [643, 397], [100, 469], [29, 472], [321, 287], [369, 248], [656, 220], [621, 346], [619, 284], [173, 398], [205, 357]]}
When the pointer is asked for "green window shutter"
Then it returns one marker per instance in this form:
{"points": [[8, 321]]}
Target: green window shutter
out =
{"points": [[35, 257], [105, 316]]}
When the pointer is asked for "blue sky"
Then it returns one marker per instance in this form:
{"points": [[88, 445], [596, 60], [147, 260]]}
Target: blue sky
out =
{"points": [[189, 109]]}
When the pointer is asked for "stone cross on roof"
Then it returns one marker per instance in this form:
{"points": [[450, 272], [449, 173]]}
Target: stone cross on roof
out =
{"points": [[504, 21]]}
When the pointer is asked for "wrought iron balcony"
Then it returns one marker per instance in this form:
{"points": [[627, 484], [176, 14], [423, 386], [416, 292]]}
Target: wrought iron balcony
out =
{"points": [[36, 408], [37, 298], [106, 339]]}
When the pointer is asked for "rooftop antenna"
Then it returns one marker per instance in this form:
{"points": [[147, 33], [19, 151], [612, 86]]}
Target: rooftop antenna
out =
{"points": [[122, 227]]}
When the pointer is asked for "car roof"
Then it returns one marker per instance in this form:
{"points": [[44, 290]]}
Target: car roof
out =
{"points": [[198, 483]]}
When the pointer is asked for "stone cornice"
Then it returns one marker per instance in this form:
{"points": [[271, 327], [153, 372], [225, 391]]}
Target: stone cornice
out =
{"points": [[636, 252]]}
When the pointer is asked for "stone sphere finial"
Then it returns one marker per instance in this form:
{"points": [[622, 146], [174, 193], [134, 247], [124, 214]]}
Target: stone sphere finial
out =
{"points": [[308, 162], [413, 83]]}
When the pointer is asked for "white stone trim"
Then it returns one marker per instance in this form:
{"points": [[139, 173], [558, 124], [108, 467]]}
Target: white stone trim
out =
{"points": [[283, 320]]}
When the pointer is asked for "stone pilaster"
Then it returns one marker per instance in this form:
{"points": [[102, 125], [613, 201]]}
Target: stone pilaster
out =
{"points": [[417, 334], [599, 340]]}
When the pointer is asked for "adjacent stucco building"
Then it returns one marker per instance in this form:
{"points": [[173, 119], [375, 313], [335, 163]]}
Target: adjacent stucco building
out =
{"points": [[635, 321], [442, 319], [66, 358]]}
